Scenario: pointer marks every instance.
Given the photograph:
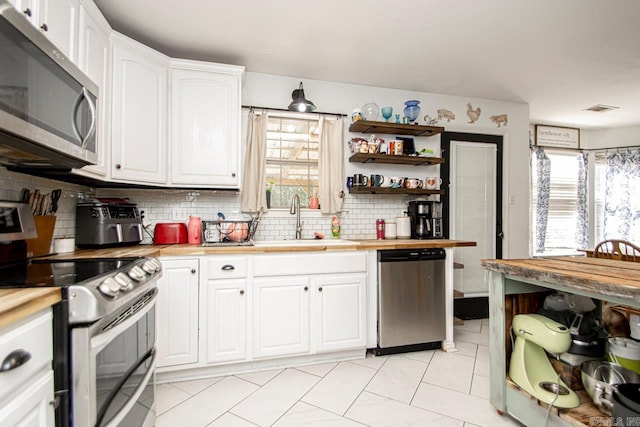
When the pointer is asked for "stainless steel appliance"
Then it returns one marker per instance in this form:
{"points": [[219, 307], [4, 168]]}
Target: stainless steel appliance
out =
{"points": [[108, 223], [103, 329], [411, 300], [47, 105], [426, 219]]}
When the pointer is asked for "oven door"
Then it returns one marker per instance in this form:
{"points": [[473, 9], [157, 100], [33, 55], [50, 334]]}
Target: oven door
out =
{"points": [[113, 367]]}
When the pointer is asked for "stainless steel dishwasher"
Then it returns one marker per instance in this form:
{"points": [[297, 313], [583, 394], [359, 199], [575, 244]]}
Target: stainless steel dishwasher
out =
{"points": [[411, 300]]}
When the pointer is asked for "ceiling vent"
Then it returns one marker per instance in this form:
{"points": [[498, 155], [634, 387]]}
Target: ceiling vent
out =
{"points": [[601, 108]]}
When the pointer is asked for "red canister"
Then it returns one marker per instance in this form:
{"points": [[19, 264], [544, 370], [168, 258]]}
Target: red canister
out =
{"points": [[380, 229]]}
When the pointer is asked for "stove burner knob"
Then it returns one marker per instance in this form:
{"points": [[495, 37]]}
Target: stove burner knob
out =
{"points": [[109, 287], [149, 267], [136, 273], [157, 263], [124, 282]]}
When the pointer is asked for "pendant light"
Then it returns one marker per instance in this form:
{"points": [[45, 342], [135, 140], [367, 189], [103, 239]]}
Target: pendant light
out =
{"points": [[300, 103]]}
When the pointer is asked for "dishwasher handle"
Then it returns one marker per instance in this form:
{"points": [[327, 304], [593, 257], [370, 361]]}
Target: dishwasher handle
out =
{"points": [[400, 255]]}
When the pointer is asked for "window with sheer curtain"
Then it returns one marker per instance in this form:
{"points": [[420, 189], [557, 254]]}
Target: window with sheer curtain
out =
{"points": [[292, 159], [562, 218]]}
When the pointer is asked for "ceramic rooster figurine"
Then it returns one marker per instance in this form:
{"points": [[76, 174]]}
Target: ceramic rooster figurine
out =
{"points": [[474, 115]]}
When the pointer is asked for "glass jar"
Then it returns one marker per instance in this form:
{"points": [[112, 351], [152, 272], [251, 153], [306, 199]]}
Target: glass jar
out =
{"points": [[412, 110]]}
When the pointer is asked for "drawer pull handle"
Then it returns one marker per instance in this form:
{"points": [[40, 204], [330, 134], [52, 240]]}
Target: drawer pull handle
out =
{"points": [[15, 359], [227, 267], [55, 402]]}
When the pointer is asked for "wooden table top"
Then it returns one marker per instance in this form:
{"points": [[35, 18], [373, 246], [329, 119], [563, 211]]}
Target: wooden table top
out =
{"points": [[602, 276]]}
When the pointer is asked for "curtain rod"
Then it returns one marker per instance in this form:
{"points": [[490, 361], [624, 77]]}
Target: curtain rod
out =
{"points": [[614, 148], [289, 111]]}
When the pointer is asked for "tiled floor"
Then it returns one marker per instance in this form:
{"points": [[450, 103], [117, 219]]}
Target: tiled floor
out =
{"points": [[429, 388]]}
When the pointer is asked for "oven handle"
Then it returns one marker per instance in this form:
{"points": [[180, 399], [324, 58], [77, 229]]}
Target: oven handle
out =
{"points": [[133, 399], [100, 341]]}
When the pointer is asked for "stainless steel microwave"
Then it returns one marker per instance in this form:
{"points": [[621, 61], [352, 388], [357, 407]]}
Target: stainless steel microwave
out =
{"points": [[48, 115]]}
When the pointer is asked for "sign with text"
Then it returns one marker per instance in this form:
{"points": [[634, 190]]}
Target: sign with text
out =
{"points": [[558, 137]]}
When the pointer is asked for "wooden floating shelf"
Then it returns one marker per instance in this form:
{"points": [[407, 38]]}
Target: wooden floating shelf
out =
{"points": [[384, 190], [366, 126], [394, 160]]}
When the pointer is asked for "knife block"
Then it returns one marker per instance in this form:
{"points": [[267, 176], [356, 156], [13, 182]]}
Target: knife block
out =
{"points": [[41, 245]]}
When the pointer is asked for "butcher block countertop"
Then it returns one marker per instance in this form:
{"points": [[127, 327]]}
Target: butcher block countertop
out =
{"points": [[194, 250], [602, 276], [16, 304]]}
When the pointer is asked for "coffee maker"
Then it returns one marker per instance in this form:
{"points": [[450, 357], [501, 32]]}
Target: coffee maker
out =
{"points": [[426, 219]]}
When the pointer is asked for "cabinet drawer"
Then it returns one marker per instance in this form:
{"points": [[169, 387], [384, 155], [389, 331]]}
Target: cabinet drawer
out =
{"points": [[32, 335], [226, 267], [316, 263]]}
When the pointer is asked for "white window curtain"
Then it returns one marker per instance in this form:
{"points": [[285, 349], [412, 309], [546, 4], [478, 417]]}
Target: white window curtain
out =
{"points": [[254, 176], [622, 204], [331, 165]]}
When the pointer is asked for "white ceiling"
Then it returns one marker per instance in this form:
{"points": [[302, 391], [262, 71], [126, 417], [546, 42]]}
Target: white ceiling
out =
{"points": [[558, 56]]}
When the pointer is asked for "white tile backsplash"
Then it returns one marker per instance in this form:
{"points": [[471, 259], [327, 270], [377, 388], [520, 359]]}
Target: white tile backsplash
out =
{"points": [[357, 219], [12, 182]]}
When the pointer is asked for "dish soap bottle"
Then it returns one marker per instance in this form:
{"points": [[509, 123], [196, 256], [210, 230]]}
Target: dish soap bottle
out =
{"points": [[194, 230], [335, 227]]}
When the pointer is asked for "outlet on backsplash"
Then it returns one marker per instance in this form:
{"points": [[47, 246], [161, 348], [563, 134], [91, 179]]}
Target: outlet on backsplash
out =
{"points": [[179, 214]]}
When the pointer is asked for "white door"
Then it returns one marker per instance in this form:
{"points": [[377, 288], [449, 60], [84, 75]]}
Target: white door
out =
{"points": [[205, 126], [58, 20], [339, 312], [32, 407], [226, 327], [138, 114], [177, 312], [281, 316], [473, 212]]}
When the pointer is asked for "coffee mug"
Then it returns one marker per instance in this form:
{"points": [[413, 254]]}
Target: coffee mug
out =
{"points": [[412, 183], [432, 182], [386, 182], [360, 180], [397, 182], [349, 182], [376, 180]]}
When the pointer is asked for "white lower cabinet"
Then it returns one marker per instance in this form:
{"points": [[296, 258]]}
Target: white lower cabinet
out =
{"points": [[224, 317], [281, 316], [253, 308], [26, 390], [177, 312], [340, 312]]}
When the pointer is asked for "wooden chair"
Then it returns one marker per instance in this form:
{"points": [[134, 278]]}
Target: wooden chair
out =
{"points": [[617, 249]]}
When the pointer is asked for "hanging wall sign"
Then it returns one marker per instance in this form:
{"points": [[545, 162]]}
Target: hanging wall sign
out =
{"points": [[558, 137]]}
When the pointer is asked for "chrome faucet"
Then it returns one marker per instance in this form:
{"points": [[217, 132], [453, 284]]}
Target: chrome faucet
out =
{"points": [[295, 210]]}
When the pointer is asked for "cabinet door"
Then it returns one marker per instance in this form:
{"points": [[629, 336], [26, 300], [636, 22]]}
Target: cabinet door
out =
{"points": [[138, 114], [58, 20], [340, 312], [28, 7], [177, 315], [32, 407], [205, 127], [281, 316], [93, 59], [226, 320]]}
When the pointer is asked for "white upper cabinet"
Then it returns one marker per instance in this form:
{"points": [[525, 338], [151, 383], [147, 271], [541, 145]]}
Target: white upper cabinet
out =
{"points": [[93, 59], [205, 124], [57, 19], [138, 113]]}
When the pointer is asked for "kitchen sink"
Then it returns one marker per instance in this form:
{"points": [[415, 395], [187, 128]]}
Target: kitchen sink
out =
{"points": [[305, 242]]}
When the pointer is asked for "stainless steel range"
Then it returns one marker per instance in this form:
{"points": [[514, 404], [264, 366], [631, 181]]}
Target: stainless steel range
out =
{"points": [[104, 328]]}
